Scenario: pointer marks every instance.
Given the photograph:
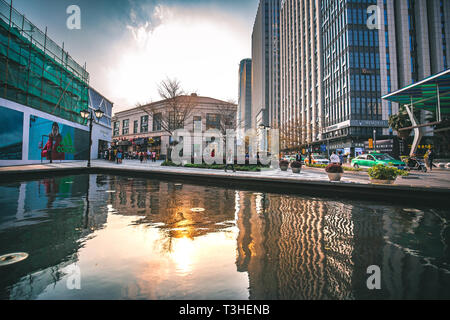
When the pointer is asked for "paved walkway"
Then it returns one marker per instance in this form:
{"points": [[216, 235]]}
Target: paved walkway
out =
{"points": [[436, 179]]}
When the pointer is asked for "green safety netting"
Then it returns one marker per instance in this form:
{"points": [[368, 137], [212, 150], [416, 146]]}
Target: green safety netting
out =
{"points": [[34, 71], [426, 94]]}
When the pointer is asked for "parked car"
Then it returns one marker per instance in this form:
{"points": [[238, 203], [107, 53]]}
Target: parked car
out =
{"points": [[317, 159], [373, 159]]}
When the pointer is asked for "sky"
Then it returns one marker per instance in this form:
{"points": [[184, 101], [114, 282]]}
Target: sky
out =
{"points": [[130, 46]]}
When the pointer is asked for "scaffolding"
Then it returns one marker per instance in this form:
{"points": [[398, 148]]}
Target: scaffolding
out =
{"points": [[36, 72]]}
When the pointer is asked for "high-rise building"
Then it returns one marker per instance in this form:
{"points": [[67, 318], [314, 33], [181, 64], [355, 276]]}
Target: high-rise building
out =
{"points": [[367, 49], [301, 73], [266, 65], [244, 114]]}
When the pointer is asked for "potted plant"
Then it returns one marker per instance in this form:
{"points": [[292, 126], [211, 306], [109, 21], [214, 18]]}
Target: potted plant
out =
{"points": [[381, 174], [284, 165], [335, 172], [296, 166]]}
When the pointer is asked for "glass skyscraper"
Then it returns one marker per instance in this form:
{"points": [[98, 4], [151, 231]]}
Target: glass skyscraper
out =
{"points": [[367, 48]]}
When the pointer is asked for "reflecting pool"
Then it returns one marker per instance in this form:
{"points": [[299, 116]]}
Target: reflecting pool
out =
{"points": [[113, 237]]}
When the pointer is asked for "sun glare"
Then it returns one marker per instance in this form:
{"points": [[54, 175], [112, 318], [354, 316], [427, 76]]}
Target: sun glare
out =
{"points": [[200, 49]]}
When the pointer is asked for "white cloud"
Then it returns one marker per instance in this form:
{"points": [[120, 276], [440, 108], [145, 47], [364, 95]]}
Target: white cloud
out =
{"points": [[202, 48]]}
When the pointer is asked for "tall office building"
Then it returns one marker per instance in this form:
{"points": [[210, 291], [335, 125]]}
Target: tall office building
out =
{"points": [[266, 65], [368, 49], [301, 73], [244, 114]]}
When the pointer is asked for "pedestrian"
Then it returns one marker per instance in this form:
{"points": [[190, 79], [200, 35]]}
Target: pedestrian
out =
{"points": [[116, 158], [431, 157], [341, 158], [230, 161], [149, 155], [154, 156], [141, 156], [119, 157], [335, 158], [299, 157]]}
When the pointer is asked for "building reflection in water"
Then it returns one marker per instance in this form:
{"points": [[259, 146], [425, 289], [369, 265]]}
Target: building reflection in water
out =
{"points": [[139, 238], [303, 248], [46, 218]]}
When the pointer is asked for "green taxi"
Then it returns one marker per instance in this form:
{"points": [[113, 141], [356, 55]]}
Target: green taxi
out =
{"points": [[373, 159]]}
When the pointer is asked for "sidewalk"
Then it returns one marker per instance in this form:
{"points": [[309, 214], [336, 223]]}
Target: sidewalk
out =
{"points": [[436, 179]]}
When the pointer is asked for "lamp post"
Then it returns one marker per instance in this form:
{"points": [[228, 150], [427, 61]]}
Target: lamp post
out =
{"points": [[89, 115]]}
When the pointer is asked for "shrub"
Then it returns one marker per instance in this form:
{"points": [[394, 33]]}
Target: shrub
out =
{"points": [[284, 163], [382, 172], [169, 164], [334, 168], [296, 164]]}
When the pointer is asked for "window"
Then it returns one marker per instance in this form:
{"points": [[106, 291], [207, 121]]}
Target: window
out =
{"points": [[157, 122], [212, 121], [197, 123], [116, 128], [175, 121], [135, 126], [144, 124], [126, 127]]}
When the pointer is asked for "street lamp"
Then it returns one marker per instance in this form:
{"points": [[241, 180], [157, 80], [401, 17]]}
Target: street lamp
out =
{"points": [[88, 115]]}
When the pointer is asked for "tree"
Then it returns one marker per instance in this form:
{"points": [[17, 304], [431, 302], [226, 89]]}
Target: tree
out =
{"points": [[401, 120], [227, 112], [176, 108]]}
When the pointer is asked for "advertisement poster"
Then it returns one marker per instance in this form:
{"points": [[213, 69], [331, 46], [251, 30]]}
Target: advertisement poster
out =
{"points": [[11, 134], [54, 141]]}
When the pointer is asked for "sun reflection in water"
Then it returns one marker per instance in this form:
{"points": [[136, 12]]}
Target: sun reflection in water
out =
{"points": [[183, 254]]}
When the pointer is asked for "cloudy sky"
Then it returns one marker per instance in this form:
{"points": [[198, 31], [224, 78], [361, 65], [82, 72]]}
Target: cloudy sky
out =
{"points": [[131, 45]]}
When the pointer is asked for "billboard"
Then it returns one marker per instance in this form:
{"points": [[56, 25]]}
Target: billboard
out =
{"points": [[11, 134], [56, 141]]}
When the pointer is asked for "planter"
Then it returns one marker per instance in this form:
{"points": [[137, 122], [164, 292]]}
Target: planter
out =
{"points": [[296, 170], [377, 181], [335, 177], [284, 168]]}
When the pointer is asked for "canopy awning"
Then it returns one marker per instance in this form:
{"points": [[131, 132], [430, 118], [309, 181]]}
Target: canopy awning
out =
{"points": [[432, 94]]}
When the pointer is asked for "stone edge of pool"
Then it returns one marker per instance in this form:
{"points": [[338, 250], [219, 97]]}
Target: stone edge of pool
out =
{"points": [[420, 195]]}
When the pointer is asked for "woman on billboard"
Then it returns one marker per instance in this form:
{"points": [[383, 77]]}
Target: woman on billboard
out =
{"points": [[50, 151]]}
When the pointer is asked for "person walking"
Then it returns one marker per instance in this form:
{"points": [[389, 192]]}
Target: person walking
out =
{"points": [[431, 157], [154, 156], [335, 158], [299, 157], [341, 158], [230, 161], [119, 157]]}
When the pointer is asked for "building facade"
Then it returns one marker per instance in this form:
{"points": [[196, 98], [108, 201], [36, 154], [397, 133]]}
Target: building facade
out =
{"points": [[42, 92], [102, 128], [137, 129], [266, 65], [301, 73], [338, 58], [244, 113]]}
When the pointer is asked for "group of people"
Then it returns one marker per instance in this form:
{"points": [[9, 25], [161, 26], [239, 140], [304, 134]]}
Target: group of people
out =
{"points": [[144, 156], [114, 155]]}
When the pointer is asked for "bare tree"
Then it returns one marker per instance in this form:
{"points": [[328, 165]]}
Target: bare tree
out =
{"points": [[227, 112], [176, 108]]}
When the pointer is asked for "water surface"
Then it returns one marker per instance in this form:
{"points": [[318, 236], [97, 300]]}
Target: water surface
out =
{"points": [[132, 238]]}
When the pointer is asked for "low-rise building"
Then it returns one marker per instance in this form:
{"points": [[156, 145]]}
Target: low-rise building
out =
{"points": [[149, 128]]}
